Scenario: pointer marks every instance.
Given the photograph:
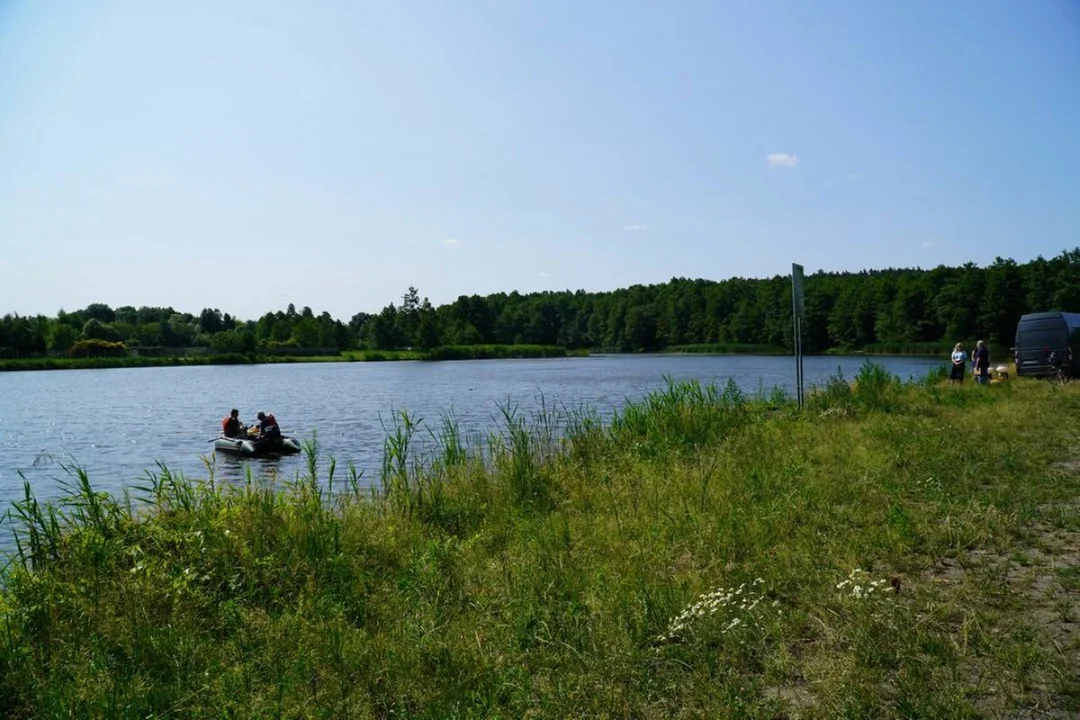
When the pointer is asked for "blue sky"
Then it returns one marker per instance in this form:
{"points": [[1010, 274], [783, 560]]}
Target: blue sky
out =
{"points": [[243, 155]]}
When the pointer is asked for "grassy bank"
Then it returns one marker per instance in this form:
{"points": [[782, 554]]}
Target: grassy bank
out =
{"points": [[729, 349], [51, 363], [922, 349], [466, 352], [915, 349], [491, 352], [449, 352], [63, 363], [382, 355], [891, 551]]}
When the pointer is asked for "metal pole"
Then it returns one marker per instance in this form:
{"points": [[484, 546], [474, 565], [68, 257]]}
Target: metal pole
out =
{"points": [[797, 309], [798, 372], [795, 340], [802, 395], [798, 365]]}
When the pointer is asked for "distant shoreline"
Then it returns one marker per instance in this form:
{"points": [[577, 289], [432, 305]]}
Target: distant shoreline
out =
{"points": [[452, 352]]}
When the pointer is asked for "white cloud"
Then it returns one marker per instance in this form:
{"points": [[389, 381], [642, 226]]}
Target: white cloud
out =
{"points": [[542, 274], [637, 228], [928, 244], [452, 242], [854, 176], [786, 160]]}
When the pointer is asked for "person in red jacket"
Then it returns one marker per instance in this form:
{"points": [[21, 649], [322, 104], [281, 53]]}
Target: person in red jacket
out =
{"points": [[268, 427], [231, 426]]}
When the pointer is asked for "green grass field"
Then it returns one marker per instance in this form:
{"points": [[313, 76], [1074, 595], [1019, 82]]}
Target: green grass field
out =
{"points": [[890, 551]]}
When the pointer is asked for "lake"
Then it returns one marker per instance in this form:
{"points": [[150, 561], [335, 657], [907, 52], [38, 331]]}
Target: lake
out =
{"points": [[119, 423]]}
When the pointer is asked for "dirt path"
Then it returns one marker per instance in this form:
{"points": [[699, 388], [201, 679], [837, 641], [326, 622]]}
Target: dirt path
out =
{"points": [[1036, 587]]}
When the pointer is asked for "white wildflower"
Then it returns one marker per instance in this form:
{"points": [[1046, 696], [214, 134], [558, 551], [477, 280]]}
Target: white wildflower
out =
{"points": [[738, 605], [862, 587]]}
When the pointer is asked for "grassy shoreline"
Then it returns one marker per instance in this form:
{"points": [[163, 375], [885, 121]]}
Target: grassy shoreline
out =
{"points": [[939, 349], [726, 349], [449, 352], [442, 353], [701, 555]]}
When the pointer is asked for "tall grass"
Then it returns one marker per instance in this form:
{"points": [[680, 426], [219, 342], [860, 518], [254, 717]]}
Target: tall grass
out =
{"points": [[99, 363], [382, 355], [873, 388], [487, 352], [941, 349], [464, 352], [449, 352], [729, 349], [698, 555]]}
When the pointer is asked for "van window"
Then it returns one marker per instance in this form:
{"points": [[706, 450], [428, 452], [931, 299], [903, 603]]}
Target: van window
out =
{"points": [[1033, 339]]}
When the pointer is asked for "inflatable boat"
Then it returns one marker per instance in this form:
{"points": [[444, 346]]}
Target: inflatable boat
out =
{"points": [[252, 446]]}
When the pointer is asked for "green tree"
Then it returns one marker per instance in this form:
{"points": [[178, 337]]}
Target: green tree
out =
{"points": [[428, 333], [1003, 303], [408, 318], [150, 335], [305, 332], [183, 330], [94, 329], [385, 333], [641, 327], [61, 337], [100, 312], [210, 321]]}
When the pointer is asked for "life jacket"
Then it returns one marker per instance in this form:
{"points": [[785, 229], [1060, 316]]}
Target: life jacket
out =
{"points": [[230, 426], [268, 427]]}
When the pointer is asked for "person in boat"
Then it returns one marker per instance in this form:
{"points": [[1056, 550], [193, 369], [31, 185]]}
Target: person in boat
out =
{"points": [[231, 426], [268, 427]]}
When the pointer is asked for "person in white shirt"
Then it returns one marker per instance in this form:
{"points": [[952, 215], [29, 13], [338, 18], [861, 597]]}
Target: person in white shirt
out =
{"points": [[959, 362]]}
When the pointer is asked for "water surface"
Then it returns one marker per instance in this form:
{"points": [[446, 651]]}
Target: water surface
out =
{"points": [[119, 423]]}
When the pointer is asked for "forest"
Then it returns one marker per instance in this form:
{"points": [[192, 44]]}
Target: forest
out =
{"points": [[890, 310]]}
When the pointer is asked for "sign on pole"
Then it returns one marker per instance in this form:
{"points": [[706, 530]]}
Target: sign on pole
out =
{"points": [[798, 310], [798, 301]]}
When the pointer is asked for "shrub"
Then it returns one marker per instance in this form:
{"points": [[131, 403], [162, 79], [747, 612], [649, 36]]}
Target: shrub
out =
{"points": [[875, 387], [97, 348], [836, 394]]}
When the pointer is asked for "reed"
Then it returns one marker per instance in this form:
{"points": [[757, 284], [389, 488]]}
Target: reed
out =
{"points": [[491, 352], [729, 349]]}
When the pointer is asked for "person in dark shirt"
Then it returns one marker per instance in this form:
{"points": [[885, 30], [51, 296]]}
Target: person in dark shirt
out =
{"points": [[981, 359], [268, 427]]}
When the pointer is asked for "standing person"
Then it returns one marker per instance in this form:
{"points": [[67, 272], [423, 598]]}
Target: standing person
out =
{"points": [[981, 360], [231, 426], [959, 364]]}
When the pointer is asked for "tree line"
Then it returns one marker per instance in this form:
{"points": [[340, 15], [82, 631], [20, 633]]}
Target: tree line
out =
{"points": [[892, 307]]}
